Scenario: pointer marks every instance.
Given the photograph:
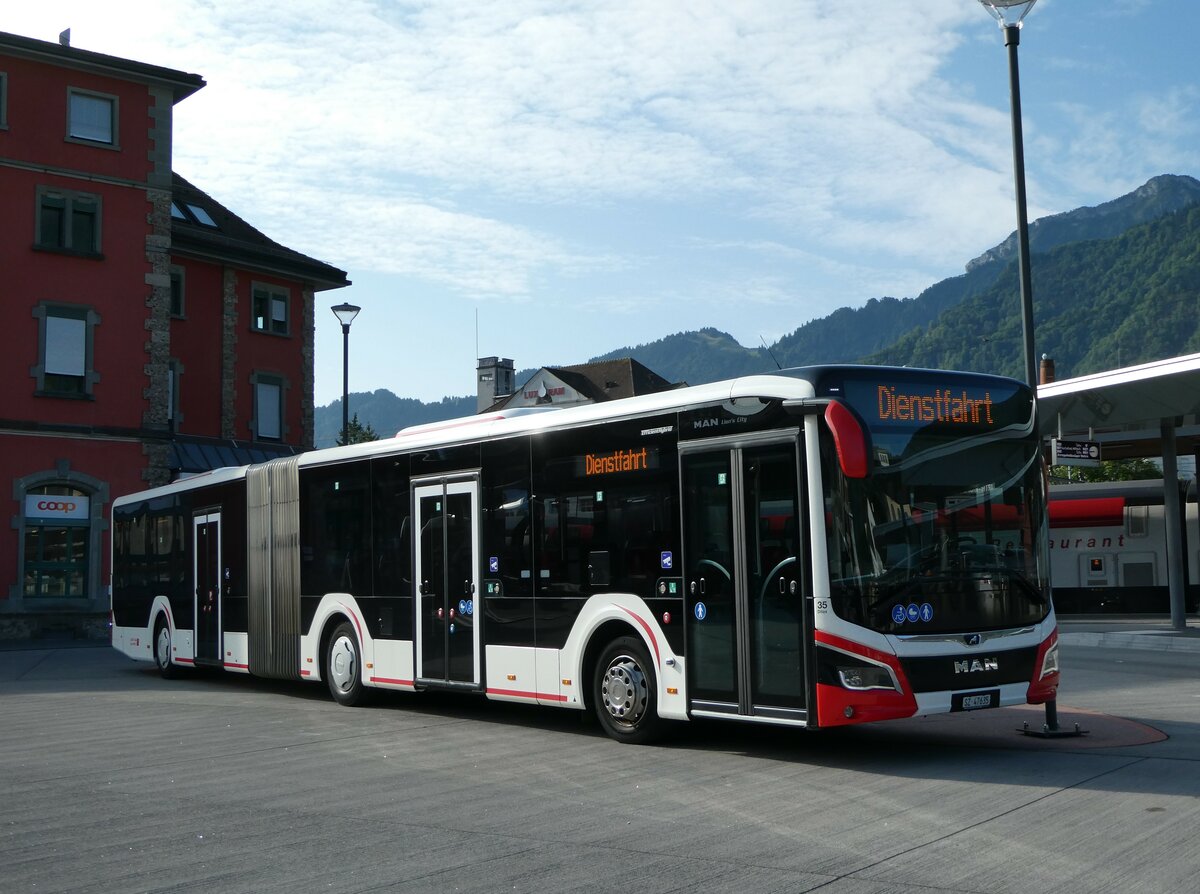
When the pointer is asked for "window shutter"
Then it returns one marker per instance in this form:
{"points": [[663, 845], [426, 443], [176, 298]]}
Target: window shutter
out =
{"points": [[66, 346]]}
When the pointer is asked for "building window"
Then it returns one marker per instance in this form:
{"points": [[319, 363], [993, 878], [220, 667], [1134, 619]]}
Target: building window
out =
{"points": [[177, 305], [56, 542], [202, 216], [174, 373], [269, 401], [270, 311], [91, 117], [65, 340], [68, 221]]}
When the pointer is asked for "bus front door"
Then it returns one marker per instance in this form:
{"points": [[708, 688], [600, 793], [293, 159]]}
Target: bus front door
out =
{"points": [[742, 558], [206, 573], [447, 569]]}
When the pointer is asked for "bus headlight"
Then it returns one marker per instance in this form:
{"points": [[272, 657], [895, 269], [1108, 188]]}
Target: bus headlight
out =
{"points": [[1050, 662], [866, 677]]}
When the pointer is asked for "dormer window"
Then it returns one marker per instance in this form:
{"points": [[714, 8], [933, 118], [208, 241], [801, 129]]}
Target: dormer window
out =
{"points": [[91, 117], [202, 216], [191, 213]]}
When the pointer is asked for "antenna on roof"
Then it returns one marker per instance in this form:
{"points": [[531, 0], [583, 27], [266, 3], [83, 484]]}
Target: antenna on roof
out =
{"points": [[64, 37], [769, 351]]}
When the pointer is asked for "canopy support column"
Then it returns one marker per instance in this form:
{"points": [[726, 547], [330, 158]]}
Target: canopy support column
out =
{"points": [[1175, 583]]}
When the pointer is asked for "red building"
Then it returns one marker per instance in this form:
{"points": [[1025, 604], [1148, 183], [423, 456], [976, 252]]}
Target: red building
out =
{"points": [[148, 331]]}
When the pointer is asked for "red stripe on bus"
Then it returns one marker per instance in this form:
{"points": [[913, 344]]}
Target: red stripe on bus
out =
{"points": [[517, 693], [185, 660], [390, 680], [649, 632], [239, 666], [305, 673], [354, 618]]}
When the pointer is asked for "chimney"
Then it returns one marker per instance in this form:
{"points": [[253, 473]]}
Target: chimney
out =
{"points": [[1046, 373], [494, 378], [64, 37]]}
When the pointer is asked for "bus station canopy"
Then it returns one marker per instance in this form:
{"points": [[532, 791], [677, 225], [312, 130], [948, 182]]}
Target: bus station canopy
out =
{"points": [[1124, 409]]}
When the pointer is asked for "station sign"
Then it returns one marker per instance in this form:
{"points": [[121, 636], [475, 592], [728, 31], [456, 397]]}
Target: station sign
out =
{"points": [[1075, 453]]}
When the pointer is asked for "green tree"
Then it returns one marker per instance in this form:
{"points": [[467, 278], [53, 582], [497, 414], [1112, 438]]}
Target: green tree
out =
{"points": [[1108, 470], [357, 433]]}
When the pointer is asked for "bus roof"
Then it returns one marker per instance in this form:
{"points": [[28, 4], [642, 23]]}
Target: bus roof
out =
{"points": [[794, 384]]}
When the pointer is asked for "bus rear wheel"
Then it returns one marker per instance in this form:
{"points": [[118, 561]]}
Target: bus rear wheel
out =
{"points": [[162, 650], [343, 667], [624, 692]]}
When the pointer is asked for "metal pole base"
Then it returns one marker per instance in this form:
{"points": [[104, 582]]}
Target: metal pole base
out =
{"points": [[1050, 729]]}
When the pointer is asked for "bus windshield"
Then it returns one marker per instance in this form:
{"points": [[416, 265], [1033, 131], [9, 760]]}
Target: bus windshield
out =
{"points": [[947, 532]]}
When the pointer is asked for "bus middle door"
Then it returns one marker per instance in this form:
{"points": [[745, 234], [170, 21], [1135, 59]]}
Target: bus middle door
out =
{"points": [[447, 572], [743, 557]]}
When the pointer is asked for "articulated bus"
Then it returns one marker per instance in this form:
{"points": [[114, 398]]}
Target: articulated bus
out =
{"points": [[821, 547]]}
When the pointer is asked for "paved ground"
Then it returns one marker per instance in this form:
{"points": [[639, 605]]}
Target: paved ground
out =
{"points": [[114, 780]]}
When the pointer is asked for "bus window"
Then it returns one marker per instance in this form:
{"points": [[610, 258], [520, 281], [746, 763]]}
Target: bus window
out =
{"points": [[335, 520]]}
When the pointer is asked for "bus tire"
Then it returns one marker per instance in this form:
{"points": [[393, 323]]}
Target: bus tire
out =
{"points": [[343, 667], [625, 692], [162, 650]]}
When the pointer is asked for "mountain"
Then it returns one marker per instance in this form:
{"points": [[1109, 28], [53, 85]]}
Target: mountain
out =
{"points": [[1104, 280], [386, 413], [1155, 198], [1096, 305], [694, 357]]}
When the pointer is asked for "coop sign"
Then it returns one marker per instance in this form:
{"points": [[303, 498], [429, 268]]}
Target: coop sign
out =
{"points": [[57, 507]]}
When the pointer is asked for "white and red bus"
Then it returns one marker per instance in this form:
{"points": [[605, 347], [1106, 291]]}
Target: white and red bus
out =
{"points": [[1108, 548], [820, 547]]}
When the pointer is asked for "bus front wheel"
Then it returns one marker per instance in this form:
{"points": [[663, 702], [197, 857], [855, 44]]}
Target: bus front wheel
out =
{"points": [[343, 667], [624, 692]]}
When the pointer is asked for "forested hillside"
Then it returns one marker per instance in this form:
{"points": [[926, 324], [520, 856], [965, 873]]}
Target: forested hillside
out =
{"points": [[1097, 305]]}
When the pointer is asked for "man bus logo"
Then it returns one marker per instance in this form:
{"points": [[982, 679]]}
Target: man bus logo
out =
{"points": [[976, 665], [56, 506], [972, 639]]}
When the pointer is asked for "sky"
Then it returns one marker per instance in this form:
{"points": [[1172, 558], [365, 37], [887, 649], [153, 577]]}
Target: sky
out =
{"points": [[551, 181]]}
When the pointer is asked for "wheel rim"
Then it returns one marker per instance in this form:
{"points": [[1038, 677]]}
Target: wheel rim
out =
{"points": [[343, 664], [164, 647], [624, 692]]}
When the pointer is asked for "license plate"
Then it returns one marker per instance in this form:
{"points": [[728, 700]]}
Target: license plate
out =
{"points": [[974, 701]]}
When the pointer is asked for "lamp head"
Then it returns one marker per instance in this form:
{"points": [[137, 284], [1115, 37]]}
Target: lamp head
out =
{"points": [[1008, 12], [345, 313]]}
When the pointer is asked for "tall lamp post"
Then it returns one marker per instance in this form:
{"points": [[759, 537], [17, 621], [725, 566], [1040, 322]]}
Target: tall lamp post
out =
{"points": [[1009, 14], [345, 314]]}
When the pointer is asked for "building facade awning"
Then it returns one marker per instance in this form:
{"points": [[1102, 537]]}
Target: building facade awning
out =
{"points": [[192, 456]]}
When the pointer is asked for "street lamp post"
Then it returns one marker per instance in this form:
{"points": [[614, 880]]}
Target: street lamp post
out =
{"points": [[1009, 14], [345, 314]]}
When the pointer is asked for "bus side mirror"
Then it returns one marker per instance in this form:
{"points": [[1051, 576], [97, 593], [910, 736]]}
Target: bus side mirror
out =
{"points": [[850, 439]]}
